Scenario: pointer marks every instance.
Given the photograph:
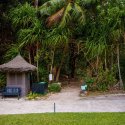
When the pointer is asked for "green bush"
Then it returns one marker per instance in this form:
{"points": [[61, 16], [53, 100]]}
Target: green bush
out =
{"points": [[32, 96], [90, 83], [104, 81], [54, 87], [80, 73]]}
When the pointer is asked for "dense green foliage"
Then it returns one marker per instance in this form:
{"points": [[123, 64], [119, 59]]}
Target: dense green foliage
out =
{"points": [[54, 87], [70, 37], [64, 119], [105, 80]]}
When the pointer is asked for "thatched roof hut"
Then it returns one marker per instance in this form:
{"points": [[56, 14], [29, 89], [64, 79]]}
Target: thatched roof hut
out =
{"points": [[17, 71], [18, 64]]}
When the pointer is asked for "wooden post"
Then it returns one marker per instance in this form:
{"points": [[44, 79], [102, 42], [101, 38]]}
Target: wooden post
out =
{"points": [[54, 107]]}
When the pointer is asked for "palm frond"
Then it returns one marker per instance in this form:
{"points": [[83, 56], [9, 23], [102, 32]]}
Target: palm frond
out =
{"points": [[78, 14], [30, 35], [55, 18], [67, 16], [23, 15], [13, 50], [24, 37], [51, 7], [57, 37], [116, 34], [94, 49]]}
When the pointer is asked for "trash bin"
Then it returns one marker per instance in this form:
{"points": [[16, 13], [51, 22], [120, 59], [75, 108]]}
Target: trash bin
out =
{"points": [[45, 84], [40, 87]]}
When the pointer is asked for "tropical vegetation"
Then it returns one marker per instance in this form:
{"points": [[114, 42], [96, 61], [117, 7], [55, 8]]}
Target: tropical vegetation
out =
{"points": [[77, 38]]}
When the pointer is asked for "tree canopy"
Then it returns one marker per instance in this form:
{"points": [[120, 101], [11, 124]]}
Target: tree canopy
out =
{"points": [[78, 38]]}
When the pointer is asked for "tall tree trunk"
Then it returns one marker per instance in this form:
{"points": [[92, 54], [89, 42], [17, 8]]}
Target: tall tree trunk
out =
{"points": [[37, 46], [29, 57], [29, 54], [36, 3], [119, 71], [37, 55], [112, 57], [97, 63], [105, 60], [72, 59], [51, 68], [62, 61]]}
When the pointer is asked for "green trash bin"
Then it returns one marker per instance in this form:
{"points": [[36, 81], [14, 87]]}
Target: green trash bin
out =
{"points": [[40, 87], [45, 84]]}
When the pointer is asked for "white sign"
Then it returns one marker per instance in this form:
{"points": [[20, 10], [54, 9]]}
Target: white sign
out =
{"points": [[50, 77]]}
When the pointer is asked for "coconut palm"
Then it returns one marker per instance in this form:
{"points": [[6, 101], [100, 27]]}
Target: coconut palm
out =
{"points": [[63, 16], [63, 12]]}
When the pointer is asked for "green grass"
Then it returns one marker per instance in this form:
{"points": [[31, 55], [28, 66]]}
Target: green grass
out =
{"points": [[64, 119]]}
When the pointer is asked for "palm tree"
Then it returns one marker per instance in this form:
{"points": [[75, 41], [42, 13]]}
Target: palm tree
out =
{"points": [[24, 18], [32, 37], [63, 16]]}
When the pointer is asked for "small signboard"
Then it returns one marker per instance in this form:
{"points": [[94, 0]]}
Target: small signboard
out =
{"points": [[50, 77]]}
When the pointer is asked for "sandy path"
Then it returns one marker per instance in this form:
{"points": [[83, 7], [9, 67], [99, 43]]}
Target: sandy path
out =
{"points": [[66, 101]]}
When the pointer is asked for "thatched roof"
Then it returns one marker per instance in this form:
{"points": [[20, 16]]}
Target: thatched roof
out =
{"points": [[18, 64]]}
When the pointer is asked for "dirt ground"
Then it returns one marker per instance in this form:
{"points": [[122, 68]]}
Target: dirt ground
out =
{"points": [[68, 100]]}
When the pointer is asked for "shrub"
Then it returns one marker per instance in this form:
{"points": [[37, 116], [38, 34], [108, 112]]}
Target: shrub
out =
{"points": [[90, 83], [31, 96], [55, 87], [104, 81]]}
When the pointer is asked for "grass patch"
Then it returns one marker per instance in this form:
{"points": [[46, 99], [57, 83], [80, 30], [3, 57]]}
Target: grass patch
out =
{"points": [[64, 119]]}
